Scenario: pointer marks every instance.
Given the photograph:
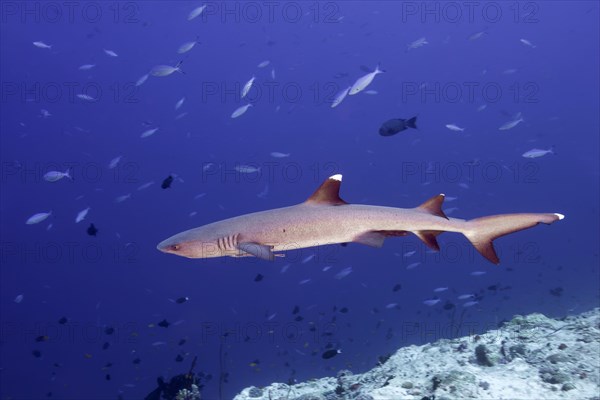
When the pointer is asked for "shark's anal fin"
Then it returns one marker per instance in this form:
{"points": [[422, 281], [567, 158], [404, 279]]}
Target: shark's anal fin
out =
{"points": [[429, 238], [434, 206], [376, 238], [328, 193], [257, 250]]}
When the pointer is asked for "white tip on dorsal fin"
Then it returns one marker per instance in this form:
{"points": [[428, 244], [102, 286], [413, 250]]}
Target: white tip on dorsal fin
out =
{"points": [[560, 216], [328, 193]]}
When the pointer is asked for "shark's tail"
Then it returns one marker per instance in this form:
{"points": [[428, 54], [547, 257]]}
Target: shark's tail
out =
{"points": [[481, 232]]}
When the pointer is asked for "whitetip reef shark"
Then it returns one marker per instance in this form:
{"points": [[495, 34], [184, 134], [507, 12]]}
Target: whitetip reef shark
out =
{"points": [[324, 219]]}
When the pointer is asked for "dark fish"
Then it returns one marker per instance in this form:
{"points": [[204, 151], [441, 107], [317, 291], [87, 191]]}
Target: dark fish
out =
{"points": [[167, 182], [107, 377], [258, 278], [43, 338], [63, 320], [397, 287], [36, 353], [137, 361], [344, 310], [556, 291], [91, 230], [393, 126], [296, 310], [182, 342], [105, 345], [330, 353], [182, 300], [179, 358], [164, 323], [109, 330]]}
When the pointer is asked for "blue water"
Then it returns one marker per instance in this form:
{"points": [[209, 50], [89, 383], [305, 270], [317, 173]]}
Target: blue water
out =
{"points": [[119, 280]]}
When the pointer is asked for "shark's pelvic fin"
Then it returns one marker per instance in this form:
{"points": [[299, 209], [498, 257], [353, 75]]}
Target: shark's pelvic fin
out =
{"points": [[429, 238], [376, 238], [434, 206], [328, 193], [370, 238]]}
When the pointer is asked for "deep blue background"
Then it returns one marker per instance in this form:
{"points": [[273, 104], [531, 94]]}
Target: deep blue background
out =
{"points": [[120, 280]]}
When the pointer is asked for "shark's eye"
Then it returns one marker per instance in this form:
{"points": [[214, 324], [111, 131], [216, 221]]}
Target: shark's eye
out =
{"points": [[174, 247]]}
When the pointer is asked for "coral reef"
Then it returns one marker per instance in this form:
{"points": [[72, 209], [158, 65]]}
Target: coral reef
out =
{"points": [[530, 357]]}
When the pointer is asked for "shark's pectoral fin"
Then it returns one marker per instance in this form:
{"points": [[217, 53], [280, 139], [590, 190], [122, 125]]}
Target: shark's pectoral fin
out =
{"points": [[257, 250], [429, 238]]}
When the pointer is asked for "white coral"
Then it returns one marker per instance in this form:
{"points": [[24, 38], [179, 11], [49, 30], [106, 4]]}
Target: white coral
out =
{"points": [[185, 394]]}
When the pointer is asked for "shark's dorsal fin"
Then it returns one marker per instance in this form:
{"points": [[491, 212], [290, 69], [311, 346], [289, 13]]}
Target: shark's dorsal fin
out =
{"points": [[328, 193], [434, 206]]}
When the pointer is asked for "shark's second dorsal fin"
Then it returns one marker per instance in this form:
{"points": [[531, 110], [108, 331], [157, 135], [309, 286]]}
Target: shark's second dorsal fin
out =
{"points": [[434, 206], [328, 193]]}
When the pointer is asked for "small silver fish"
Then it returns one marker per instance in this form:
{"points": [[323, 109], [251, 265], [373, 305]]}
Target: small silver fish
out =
{"points": [[343, 273], [276, 154], [53, 176], [42, 45], [122, 198], [241, 110], [187, 46], [246, 169], [166, 70], [114, 162], [431, 302], [196, 12], [149, 132], [455, 128], [478, 273], [535, 153], [264, 64], [440, 289], [413, 265], [510, 124], [111, 53], [179, 103], [340, 97], [86, 67], [86, 97], [527, 43], [37, 218], [145, 185], [364, 81], [142, 79], [81, 215], [247, 86], [416, 44]]}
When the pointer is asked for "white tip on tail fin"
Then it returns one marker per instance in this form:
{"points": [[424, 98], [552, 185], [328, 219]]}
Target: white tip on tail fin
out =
{"points": [[336, 177], [560, 216]]}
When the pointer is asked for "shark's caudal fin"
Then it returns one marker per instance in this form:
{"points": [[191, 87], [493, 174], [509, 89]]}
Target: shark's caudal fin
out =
{"points": [[481, 232]]}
